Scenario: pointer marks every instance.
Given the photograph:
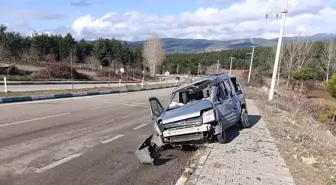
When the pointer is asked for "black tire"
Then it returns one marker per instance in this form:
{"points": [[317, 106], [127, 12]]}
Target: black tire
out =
{"points": [[244, 119], [222, 139]]}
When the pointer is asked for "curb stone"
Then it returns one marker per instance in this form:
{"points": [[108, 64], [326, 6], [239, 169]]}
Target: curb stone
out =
{"points": [[195, 175], [70, 95], [185, 180]]}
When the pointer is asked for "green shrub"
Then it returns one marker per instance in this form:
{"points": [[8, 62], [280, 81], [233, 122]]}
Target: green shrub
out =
{"points": [[323, 118], [304, 74], [331, 85]]}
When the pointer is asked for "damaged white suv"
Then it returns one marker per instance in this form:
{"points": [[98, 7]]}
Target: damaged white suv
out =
{"points": [[198, 112]]}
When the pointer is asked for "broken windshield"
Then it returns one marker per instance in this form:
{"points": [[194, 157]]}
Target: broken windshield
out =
{"points": [[189, 94]]}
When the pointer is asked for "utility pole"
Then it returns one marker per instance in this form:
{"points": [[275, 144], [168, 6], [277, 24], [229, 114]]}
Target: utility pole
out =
{"points": [[277, 56], [177, 70], [109, 71], [143, 77], [231, 63], [279, 68], [250, 71], [217, 66]]}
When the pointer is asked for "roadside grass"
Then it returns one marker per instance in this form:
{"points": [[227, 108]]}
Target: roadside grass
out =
{"points": [[47, 92], [307, 145]]}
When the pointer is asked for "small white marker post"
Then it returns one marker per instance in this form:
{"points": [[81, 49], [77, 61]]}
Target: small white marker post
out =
{"points": [[5, 83], [143, 78], [122, 70]]}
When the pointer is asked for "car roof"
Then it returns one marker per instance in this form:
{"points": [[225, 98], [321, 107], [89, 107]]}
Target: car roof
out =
{"points": [[212, 79]]}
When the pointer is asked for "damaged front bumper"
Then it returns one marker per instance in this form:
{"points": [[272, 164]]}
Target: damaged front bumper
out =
{"points": [[186, 130], [187, 135]]}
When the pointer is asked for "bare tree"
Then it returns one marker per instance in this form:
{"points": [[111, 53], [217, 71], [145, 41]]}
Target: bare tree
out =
{"points": [[153, 53], [290, 58], [328, 58], [3, 52], [304, 52], [93, 62], [30, 55], [270, 59]]}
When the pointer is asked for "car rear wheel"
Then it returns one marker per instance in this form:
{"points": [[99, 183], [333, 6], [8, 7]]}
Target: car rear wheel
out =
{"points": [[244, 119]]}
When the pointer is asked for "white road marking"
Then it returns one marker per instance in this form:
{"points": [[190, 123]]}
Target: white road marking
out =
{"points": [[113, 138], [140, 126], [35, 119], [57, 163]]}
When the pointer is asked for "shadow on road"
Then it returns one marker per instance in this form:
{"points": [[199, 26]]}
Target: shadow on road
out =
{"points": [[167, 155], [233, 132], [161, 161]]}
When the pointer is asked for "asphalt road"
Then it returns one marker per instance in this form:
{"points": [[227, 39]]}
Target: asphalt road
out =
{"points": [[84, 140], [17, 88]]}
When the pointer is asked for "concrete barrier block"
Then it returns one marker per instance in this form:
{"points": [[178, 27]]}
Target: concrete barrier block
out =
{"points": [[35, 97], [65, 95], [7, 100], [79, 94], [93, 93]]}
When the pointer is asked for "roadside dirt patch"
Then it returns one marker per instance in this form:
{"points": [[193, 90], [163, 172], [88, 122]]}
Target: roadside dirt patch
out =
{"points": [[307, 145]]}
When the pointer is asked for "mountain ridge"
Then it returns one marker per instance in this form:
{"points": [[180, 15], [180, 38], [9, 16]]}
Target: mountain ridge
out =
{"points": [[175, 45]]}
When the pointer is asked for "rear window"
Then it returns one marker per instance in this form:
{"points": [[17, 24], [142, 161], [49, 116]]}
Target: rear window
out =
{"points": [[236, 85]]}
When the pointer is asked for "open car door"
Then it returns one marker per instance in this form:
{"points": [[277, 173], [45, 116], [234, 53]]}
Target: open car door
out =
{"points": [[147, 151], [156, 108]]}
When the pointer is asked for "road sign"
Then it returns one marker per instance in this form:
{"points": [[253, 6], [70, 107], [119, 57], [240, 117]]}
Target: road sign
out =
{"points": [[122, 70]]}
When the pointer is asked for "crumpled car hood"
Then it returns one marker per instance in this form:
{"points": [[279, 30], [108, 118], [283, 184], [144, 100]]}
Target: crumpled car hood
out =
{"points": [[190, 110]]}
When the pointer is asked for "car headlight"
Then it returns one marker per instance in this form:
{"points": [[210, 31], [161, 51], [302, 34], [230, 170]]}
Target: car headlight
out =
{"points": [[208, 116], [157, 128]]}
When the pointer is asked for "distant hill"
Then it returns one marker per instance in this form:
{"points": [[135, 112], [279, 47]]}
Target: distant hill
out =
{"points": [[173, 45]]}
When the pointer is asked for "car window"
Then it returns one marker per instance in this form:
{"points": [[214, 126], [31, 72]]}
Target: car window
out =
{"points": [[220, 92], [228, 86], [233, 92], [236, 84]]}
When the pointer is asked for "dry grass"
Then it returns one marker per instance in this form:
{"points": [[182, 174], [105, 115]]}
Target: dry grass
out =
{"points": [[307, 145]]}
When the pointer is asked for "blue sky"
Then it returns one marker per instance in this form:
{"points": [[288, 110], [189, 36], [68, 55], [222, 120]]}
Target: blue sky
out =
{"points": [[67, 11], [209, 19]]}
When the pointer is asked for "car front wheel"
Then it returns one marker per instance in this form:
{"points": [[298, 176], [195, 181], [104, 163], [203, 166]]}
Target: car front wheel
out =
{"points": [[222, 137]]}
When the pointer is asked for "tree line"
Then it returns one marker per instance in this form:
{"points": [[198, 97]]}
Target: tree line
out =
{"points": [[57, 48], [295, 55]]}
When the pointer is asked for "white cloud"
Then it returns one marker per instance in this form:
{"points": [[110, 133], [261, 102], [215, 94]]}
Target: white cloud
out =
{"points": [[243, 19]]}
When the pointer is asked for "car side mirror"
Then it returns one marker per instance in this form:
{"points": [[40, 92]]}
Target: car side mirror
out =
{"points": [[156, 108]]}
